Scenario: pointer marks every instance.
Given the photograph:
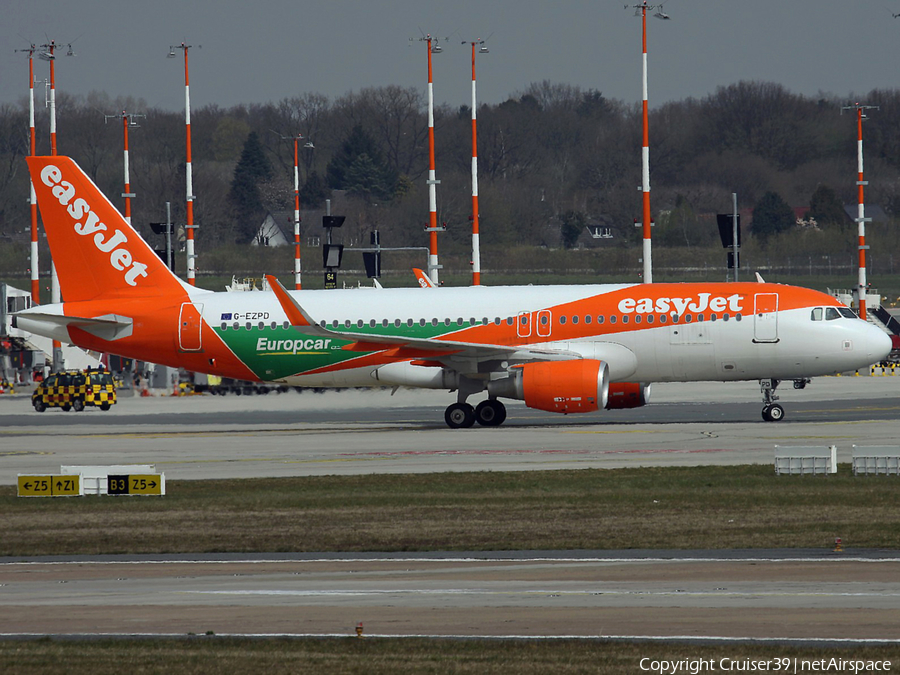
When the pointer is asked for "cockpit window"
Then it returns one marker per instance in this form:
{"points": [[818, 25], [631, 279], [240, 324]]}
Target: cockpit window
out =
{"points": [[831, 314], [847, 313], [816, 314]]}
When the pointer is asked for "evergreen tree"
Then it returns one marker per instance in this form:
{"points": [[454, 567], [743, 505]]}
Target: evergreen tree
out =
{"points": [[826, 208], [771, 215], [245, 195], [359, 166], [313, 192], [573, 223]]}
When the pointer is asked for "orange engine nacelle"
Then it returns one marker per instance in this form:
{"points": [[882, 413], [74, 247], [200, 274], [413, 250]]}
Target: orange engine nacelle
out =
{"points": [[565, 386], [627, 395]]}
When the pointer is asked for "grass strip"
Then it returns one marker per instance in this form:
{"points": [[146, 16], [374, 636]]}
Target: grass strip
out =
{"points": [[213, 655], [675, 507]]}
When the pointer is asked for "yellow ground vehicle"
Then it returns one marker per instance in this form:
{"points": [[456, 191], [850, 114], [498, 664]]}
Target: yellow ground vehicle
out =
{"points": [[74, 389]]}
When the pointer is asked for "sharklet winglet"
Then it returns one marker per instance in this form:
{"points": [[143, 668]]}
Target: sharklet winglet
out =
{"points": [[298, 316]]}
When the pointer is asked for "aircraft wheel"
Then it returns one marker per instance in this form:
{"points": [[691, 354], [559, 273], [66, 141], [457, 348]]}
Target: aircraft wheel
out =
{"points": [[78, 405], [459, 416], [776, 413], [490, 413], [40, 406]]}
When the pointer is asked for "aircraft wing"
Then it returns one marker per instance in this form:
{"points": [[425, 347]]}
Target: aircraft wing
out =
{"points": [[450, 350]]}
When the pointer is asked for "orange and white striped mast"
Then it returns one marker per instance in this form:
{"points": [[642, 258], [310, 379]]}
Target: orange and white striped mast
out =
{"points": [[297, 267], [476, 247], [35, 272], [645, 147], [861, 208], [49, 54], [127, 121], [432, 228], [189, 179]]}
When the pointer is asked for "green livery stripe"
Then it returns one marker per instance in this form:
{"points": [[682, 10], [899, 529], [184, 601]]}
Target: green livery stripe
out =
{"points": [[276, 353]]}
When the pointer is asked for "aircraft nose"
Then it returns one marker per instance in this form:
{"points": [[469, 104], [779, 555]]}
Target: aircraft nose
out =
{"points": [[878, 344]]}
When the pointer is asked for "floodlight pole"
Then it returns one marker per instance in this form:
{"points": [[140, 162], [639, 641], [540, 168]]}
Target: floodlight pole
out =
{"points": [[645, 147], [476, 249], [861, 208], [127, 121], [35, 271], [432, 228], [55, 294], [189, 180]]}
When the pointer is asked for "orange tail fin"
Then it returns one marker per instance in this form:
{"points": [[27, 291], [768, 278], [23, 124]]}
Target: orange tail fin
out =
{"points": [[96, 252]]}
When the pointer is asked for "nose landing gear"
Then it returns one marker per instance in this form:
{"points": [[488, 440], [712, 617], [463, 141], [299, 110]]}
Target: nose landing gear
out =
{"points": [[771, 412]]}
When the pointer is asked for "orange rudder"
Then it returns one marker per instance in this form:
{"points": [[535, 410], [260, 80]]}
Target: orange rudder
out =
{"points": [[96, 252]]}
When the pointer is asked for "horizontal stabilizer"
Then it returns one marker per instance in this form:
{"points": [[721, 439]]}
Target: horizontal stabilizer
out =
{"points": [[107, 327]]}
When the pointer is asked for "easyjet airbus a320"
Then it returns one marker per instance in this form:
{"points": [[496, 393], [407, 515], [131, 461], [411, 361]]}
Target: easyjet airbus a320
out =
{"points": [[565, 349]]}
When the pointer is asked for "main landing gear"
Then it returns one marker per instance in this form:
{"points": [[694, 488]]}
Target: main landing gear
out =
{"points": [[488, 413], [771, 412]]}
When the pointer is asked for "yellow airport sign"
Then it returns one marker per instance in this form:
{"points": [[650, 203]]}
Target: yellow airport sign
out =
{"points": [[136, 484], [49, 485]]}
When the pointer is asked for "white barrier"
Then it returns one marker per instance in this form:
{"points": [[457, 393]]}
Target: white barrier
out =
{"points": [[795, 459], [876, 459], [94, 478]]}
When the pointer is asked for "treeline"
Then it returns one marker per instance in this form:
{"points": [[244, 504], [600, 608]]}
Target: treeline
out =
{"points": [[548, 156]]}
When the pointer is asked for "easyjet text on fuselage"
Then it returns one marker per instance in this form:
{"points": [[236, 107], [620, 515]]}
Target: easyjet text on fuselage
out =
{"points": [[699, 303]]}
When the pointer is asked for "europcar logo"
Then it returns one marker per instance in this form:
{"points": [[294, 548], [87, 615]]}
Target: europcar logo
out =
{"points": [[119, 257], [699, 303], [271, 347]]}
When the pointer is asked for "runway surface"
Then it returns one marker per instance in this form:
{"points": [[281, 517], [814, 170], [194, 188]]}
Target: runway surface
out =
{"points": [[819, 598], [815, 597], [358, 432]]}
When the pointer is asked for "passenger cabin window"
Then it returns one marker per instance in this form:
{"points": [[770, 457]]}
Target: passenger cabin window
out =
{"points": [[816, 314]]}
